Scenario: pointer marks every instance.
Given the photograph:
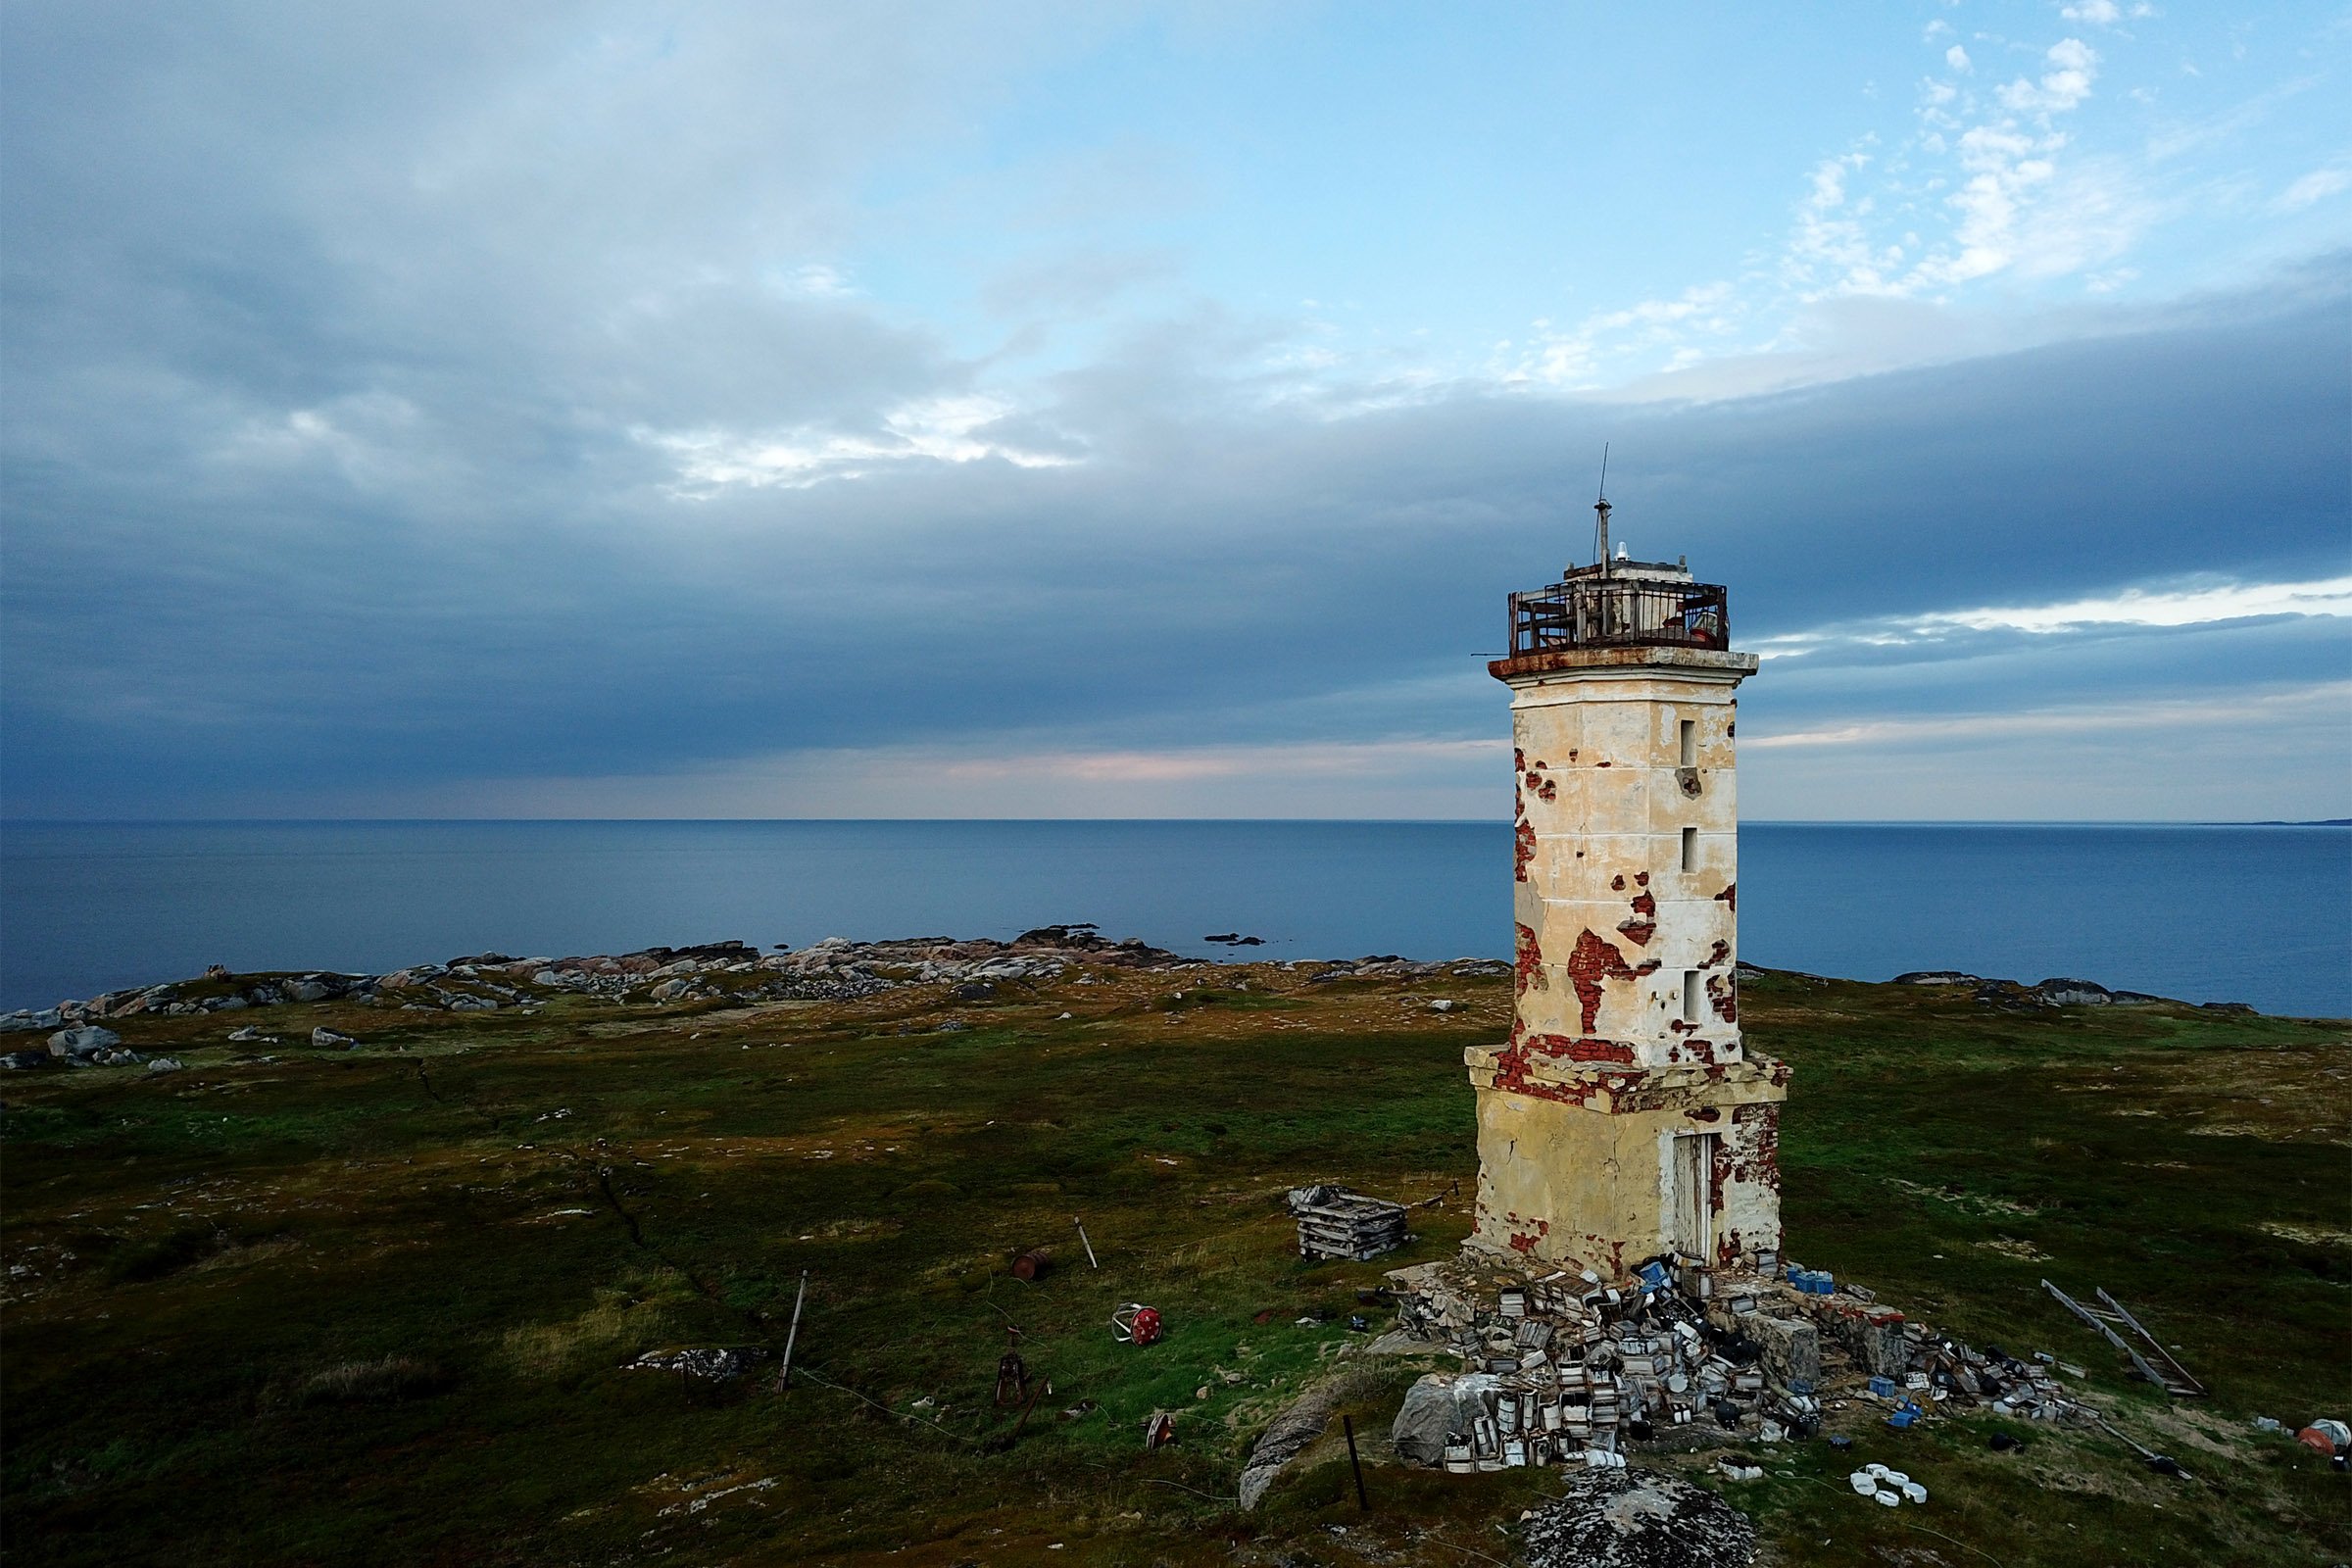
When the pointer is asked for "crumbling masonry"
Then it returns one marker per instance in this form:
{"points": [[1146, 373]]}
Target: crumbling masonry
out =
{"points": [[1623, 1118]]}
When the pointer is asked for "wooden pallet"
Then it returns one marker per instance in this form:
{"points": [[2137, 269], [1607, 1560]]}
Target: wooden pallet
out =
{"points": [[2164, 1371], [1350, 1225]]}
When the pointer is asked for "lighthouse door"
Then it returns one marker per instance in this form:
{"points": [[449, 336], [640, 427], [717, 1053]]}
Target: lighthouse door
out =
{"points": [[1693, 1215]]}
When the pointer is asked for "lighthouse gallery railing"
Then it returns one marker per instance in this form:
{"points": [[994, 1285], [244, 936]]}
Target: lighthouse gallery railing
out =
{"points": [[1601, 612]]}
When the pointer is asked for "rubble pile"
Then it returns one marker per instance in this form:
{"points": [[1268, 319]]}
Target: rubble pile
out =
{"points": [[1337, 1223], [711, 1363], [1572, 1368], [1638, 1519]]}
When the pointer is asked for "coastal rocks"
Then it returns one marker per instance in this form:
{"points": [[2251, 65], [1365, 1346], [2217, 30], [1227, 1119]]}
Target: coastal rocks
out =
{"points": [[81, 1042], [2063, 993], [326, 1039], [2058, 991], [167, 1064], [836, 969], [1636, 1519]]}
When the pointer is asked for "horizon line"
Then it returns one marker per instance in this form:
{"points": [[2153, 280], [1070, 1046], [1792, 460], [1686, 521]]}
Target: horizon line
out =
{"points": [[1369, 822]]}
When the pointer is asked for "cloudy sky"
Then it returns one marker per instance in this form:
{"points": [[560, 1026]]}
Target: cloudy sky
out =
{"points": [[941, 410]]}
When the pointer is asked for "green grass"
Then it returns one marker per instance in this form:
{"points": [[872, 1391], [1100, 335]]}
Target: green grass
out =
{"points": [[373, 1307]]}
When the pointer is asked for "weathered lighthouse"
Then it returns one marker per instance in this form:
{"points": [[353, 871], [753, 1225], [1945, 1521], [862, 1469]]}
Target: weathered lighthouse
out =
{"points": [[1623, 1118]]}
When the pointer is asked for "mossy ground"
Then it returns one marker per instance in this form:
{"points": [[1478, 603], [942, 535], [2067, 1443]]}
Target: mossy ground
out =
{"points": [[372, 1307]]}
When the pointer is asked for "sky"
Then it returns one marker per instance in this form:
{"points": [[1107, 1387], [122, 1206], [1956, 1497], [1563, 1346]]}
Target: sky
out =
{"points": [[1139, 410]]}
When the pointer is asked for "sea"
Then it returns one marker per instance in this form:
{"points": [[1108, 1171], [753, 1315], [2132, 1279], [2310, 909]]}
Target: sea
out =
{"points": [[2257, 914]]}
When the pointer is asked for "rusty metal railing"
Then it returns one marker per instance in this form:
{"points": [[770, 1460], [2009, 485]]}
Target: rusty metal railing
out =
{"points": [[1607, 612]]}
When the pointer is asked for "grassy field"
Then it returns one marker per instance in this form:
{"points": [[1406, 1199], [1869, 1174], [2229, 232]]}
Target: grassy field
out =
{"points": [[373, 1307]]}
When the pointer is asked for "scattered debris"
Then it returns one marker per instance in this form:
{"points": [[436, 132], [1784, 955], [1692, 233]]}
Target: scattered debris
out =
{"points": [[792, 1336], [1613, 1518], [332, 1039], [1443, 1005], [1889, 1487], [1012, 1379], [712, 1363], [167, 1064], [2165, 1372], [2325, 1437], [1091, 1261], [1570, 1367], [1135, 1324], [1336, 1223], [1160, 1430]]}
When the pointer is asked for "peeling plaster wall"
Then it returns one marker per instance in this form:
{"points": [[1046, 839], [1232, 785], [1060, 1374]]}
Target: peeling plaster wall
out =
{"points": [[1577, 1108]]}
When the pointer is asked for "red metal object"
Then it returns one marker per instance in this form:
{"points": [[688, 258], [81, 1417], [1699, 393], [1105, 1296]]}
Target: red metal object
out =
{"points": [[1135, 1324]]}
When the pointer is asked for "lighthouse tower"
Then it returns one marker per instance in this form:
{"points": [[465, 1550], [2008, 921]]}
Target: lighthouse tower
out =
{"points": [[1623, 1118]]}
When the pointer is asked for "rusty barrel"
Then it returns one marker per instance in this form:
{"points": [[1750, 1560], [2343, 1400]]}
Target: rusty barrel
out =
{"points": [[1031, 1264]]}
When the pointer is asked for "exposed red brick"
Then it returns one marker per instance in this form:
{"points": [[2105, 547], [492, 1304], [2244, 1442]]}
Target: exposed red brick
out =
{"points": [[1722, 996], [1643, 924], [1595, 962], [1586, 1050], [1528, 964], [1730, 896]]}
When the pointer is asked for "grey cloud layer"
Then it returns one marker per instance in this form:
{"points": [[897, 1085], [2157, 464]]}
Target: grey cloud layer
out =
{"points": [[341, 364]]}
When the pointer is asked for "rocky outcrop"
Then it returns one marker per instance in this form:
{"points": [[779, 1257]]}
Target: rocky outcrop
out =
{"points": [[835, 969]]}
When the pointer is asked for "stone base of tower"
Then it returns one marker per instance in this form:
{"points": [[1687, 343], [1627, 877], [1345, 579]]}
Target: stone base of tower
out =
{"points": [[1603, 1168]]}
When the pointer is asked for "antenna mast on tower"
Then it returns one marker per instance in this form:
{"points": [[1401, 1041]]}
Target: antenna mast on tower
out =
{"points": [[1601, 512]]}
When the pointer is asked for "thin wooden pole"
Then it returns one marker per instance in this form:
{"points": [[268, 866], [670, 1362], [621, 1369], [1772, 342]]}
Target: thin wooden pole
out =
{"points": [[793, 1334], [1362, 1502]]}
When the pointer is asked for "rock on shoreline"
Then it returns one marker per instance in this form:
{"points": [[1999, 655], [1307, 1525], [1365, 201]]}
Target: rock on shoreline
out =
{"points": [[835, 969]]}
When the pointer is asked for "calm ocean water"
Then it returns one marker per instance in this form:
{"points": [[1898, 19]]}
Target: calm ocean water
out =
{"points": [[2205, 913]]}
